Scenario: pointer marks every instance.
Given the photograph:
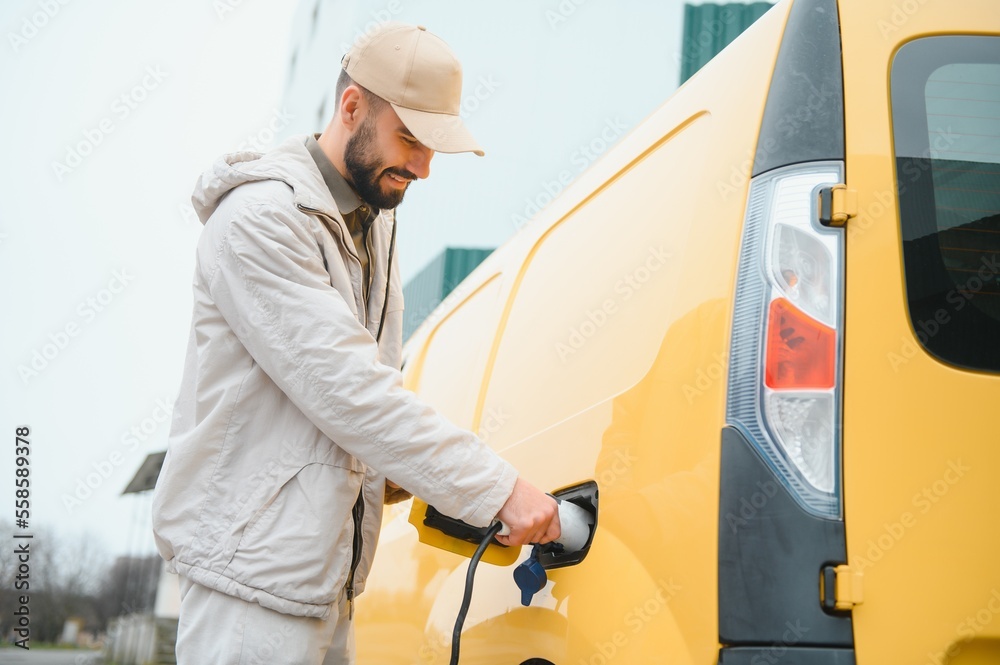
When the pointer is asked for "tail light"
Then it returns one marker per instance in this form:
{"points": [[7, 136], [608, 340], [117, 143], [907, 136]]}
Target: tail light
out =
{"points": [[785, 379]]}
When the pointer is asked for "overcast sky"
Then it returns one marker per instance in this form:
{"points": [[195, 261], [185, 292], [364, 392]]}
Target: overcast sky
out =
{"points": [[110, 111]]}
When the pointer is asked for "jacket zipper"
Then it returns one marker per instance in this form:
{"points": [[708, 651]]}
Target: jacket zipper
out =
{"points": [[358, 514], [371, 264], [358, 511]]}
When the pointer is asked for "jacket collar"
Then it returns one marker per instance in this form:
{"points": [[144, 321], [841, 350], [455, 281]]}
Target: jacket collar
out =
{"points": [[291, 163]]}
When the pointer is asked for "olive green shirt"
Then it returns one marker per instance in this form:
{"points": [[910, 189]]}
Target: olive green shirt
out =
{"points": [[357, 214]]}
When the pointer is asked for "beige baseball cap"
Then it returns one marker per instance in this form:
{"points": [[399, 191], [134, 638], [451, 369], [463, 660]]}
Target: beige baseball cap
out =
{"points": [[420, 77]]}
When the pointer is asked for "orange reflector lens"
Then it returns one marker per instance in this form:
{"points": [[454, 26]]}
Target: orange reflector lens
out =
{"points": [[801, 352]]}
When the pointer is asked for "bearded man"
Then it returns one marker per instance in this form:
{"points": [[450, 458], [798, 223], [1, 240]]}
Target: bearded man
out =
{"points": [[292, 427]]}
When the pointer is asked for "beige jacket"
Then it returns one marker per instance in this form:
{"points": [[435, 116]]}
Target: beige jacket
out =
{"points": [[288, 408]]}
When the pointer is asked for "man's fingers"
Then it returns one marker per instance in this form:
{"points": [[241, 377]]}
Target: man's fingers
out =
{"points": [[513, 539], [554, 530], [540, 534], [530, 514], [547, 534]]}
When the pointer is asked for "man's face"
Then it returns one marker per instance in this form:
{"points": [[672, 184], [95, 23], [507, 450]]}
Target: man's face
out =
{"points": [[382, 157]]}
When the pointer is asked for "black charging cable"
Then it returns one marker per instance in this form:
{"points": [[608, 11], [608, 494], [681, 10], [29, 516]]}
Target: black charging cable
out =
{"points": [[470, 576]]}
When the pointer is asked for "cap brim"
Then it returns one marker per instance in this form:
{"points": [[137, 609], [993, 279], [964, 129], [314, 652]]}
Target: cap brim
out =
{"points": [[441, 132]]}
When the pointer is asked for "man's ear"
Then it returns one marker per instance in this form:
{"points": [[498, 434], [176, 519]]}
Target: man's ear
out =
{"points": [[350, 106]]}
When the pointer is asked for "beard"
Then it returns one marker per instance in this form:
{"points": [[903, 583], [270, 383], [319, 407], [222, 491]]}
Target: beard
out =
{"points": [[364, 166]]}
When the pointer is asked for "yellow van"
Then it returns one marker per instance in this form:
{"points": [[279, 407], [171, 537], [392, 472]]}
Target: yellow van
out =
{"points": [[760, 342]]}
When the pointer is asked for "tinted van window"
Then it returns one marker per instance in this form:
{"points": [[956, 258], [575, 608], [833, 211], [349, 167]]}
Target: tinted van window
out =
{"points": [[946, 131]]}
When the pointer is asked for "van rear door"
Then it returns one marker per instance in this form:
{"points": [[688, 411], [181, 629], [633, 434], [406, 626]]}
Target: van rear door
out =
{"points": [[922, 335]]}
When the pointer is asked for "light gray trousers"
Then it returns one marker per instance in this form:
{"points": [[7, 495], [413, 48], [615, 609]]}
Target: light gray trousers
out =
{"points": [[224, 630]]}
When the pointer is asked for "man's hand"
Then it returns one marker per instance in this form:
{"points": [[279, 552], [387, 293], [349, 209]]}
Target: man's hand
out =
{"points": [[532, 515]]}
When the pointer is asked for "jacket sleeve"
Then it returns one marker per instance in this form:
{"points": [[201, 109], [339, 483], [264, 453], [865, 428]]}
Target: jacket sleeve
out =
{"points": [[270, 284]]}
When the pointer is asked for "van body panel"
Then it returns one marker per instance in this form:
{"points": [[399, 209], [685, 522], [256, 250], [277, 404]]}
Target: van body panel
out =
{"points": [[920, 453]]}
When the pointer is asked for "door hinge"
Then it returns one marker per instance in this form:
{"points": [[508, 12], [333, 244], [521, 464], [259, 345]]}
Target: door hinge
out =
{"points": [[841, 588], [837, 204]]}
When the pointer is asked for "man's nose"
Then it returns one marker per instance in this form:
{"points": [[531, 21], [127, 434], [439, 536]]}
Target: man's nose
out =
{"points": [[419, 162]]}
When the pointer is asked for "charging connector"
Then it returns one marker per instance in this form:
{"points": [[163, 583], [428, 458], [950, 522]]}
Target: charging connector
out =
{"points": [[578, 519]]}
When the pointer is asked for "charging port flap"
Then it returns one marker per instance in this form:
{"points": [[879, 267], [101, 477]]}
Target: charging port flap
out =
{"points": [[554, 555]]}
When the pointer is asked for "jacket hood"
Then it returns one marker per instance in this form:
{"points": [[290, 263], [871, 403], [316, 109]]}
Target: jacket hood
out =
{"points": [[289, 163]]}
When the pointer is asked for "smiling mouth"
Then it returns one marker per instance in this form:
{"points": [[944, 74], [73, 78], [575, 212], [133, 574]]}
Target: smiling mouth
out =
{"points": [[399, 180]]}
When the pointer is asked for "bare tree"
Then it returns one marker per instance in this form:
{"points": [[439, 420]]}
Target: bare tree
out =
{"points": [[129, 586], [65, 578]]}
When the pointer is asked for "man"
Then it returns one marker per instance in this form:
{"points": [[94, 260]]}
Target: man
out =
{"points": [[292, 413]]}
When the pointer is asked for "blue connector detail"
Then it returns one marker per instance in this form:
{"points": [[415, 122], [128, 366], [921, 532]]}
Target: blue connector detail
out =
{"points": [[530, 577]]}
